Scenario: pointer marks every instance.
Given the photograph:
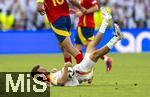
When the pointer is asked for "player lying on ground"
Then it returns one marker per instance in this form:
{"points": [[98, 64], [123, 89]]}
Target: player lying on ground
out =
{"points": [[82, 72]]}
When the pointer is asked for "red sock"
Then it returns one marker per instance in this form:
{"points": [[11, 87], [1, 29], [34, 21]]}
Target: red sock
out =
{"points": [[102, 57], [79, 58], [68, 59]]}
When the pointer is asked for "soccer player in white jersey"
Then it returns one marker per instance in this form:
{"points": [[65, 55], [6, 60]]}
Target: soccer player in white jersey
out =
{"points": [[84, 70]]}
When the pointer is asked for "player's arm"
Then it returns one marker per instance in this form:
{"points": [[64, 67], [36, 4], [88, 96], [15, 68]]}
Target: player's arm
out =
{"points": [[64, 77], [76, 4], [90, 10], [40, 7]]}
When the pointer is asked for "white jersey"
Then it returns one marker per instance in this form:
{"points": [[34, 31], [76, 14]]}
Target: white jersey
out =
{"points": [[71, 82], [83, 72]]}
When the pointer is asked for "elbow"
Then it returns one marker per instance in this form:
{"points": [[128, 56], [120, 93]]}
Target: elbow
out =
{"points": [[61, 83]]}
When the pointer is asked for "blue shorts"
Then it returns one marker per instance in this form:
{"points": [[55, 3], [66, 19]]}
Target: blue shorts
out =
{"points": [[84, 35], [61, 27]]}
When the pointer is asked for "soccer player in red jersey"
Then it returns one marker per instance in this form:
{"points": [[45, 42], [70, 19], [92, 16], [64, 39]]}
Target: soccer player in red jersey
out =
{"points": [[75, 75], [86, 27], [58, 15]]}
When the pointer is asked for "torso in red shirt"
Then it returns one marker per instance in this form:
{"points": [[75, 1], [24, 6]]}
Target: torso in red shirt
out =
{"points": [[88, 19], [55, 9]]}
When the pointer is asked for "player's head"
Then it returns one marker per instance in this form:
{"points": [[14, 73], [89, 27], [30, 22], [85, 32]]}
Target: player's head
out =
{"points": [[39, 73]]}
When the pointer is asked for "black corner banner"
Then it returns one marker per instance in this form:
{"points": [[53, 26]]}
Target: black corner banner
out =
{"points": [[21, 84]]}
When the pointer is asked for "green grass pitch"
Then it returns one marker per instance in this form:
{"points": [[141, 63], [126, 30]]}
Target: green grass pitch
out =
{"points": [[130, 76]]}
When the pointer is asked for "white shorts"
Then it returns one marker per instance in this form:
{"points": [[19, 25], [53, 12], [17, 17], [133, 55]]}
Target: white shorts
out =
{"points": [[85, 68]]}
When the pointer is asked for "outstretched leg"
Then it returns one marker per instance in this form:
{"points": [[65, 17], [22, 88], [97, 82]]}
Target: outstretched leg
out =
{"points": [[104, 50], [107, 17], [90, 59]]}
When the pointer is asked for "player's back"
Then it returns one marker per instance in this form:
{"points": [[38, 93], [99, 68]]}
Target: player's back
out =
{"points": [[55, 9]]}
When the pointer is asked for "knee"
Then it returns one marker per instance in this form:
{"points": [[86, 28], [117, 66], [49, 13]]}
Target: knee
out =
{"points": [[60, 45]]}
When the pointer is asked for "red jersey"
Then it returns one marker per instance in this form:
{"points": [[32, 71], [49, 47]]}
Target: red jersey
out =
{"points": [[55, 9], [87, 20]]}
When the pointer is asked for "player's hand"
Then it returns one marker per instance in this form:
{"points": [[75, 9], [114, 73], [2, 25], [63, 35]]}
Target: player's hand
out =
{"points": [[40, 8], [83, 10], [79, 13], [68, 64], [54, 70]]}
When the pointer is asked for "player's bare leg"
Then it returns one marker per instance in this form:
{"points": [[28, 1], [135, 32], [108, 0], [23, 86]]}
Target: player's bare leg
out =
{"points": [[107, 17], [105, 58], [79, 47], [67, 45], [67, 56], [104, 50]]}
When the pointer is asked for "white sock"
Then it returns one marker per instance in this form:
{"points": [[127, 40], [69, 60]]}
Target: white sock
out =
{"points": [[103, 26], [105, 58], [112, 42], [87, 64]]}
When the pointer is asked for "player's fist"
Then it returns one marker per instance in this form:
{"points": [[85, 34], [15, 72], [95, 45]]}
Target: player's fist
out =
{"points": [[83, 10], [40, 8], [78, 13]]}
